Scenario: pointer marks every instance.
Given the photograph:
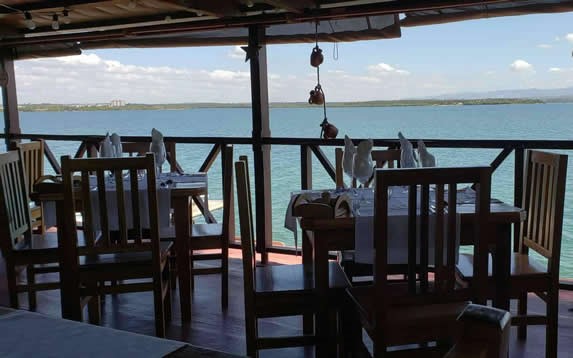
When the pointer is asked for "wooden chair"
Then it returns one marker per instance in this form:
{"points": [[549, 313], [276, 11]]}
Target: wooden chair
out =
{"points": [[20, 247], [89, 269], [543, 200], [389, 158], [216, 235], [33, 158], [141, 148], [274, 291], [425, 307]]}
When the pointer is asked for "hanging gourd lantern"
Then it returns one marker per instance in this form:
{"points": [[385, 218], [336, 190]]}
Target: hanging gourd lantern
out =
{"points": [[328, 130]]}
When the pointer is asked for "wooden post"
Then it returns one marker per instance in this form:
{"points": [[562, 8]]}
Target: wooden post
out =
{"points": [[257, 54], [518, 191], [9, 98], [305, 167]]}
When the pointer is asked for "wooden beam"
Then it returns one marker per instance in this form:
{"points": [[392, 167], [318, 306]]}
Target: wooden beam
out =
{"points": [[9, 98], [296, 6], [261, 128], [45, 5], [216, 8]]}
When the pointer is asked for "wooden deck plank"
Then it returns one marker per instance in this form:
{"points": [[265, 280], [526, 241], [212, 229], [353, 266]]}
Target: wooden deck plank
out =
{"points": [[212, 328]]}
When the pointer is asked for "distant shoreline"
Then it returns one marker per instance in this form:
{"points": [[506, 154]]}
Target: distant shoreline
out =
{"points": [[46, 107]]}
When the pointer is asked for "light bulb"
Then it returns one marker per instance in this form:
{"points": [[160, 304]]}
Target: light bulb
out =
{"points": [[66, 18], [55, 22], [250, 3], [167, 18], [132, 4], [30, 24]]}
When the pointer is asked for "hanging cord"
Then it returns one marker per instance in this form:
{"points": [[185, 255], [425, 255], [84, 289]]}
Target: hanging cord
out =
{"points": [[318, 85], [335, 46]]}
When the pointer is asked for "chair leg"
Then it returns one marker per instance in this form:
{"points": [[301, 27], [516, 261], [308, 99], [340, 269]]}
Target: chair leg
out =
{"points": [[159, 308], [167, 298], [31, 280], [522, 311], [225, 276], [552, 322], [173, 267], [251, 333], [12, 284], [94, 304], [191, 266]]}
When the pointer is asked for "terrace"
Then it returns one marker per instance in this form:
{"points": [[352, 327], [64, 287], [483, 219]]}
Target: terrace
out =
{"points": [[146, 23]]}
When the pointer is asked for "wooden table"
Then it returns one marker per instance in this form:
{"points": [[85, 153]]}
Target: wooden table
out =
{"points": [[323, 235]]}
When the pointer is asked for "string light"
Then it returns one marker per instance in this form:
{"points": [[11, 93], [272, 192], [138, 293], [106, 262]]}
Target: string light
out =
{"points": [[55, 22], [132, 4], [167, 18], [66, 18], [250, 3], [30, 24]]}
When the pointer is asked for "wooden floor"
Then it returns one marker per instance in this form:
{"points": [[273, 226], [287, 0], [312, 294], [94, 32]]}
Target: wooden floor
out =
{"points": [[212, 328]]}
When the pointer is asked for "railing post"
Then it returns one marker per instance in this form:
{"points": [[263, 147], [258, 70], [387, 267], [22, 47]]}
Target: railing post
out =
{"points": [[257, 54], [305, 167], [9, 98], [518, 191]]}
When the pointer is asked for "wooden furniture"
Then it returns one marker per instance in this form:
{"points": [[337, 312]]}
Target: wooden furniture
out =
{"points": [[88, 271], [389, 158], [283, 290], [485, 333], [33, 158], [543, 200], [141, 148], [189, 237], [425, 308], [20, 247]]}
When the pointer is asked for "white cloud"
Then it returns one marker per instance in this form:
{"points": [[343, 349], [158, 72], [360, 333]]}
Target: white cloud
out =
{"points": [[555, 69], [237, 53], [544, 46], [569, 37], [384, 69], [521, 66]]}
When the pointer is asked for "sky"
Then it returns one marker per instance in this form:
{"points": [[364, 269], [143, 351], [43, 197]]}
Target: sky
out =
{"points": [[521, 52]]}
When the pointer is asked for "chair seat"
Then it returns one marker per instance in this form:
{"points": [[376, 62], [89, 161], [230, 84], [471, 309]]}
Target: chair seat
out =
{"points": [[123, 258], [410, 323], [285, 278], [521, 265]]}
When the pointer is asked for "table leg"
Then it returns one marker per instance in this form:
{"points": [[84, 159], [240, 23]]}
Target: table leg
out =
{"points": [[323, 349], [501, 266], [181, 216], [307, 319]]}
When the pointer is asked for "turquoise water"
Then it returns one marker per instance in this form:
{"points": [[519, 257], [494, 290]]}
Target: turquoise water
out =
{"points": [[534, 121]]}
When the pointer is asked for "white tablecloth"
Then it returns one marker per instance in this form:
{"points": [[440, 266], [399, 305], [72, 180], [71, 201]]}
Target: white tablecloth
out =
{"points": [[363, 209], [165, 183]]}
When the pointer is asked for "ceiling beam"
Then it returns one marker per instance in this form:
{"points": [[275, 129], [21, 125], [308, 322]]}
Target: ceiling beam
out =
{"points": [[46, 5], [296, 6], [220, 8], [372, 9]]}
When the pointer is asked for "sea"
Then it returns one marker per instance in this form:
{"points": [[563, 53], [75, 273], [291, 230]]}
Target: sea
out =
{"points": [[514, 121]]}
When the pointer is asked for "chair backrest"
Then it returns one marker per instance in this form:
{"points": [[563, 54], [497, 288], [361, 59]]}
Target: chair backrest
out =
{"points": [[389, 158], [543, 200], [432, 222], [247, 237], [33, 158], [131, 200], [15, 221], [228, 192], [134, 149]]}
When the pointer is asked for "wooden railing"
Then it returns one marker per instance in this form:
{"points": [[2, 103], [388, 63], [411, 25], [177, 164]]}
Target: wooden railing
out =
{"points": [[310, 147]]}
